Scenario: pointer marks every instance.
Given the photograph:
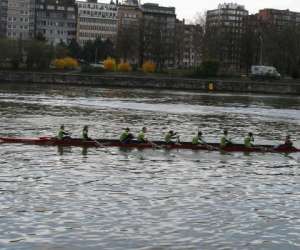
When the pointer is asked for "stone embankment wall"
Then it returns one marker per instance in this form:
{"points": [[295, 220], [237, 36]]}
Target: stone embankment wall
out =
{"points": [[275, 87]]}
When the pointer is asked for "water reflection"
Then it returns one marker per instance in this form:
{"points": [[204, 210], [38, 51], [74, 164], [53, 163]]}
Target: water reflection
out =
{"points": [[23, 91], [84, 151]]}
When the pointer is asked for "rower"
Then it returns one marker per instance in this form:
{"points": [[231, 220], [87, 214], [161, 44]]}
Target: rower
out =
{"points": [[141, 136], [170, 136], [126, 136], [198, 139], [288, 142], [249, 140], [225, 141], [62, 134], [85, 133]]}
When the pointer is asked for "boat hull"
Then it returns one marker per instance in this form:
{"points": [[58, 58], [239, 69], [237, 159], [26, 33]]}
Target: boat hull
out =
{"points": [[73, 142]]}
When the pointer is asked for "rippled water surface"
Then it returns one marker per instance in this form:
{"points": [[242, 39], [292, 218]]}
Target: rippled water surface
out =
{"points": [[73, 198]]}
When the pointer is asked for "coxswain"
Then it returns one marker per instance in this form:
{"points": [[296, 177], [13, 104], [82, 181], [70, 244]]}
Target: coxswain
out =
{"points": [[198, 139], [248, 141], [126, 136], [62, 134], [142, 136], [85, 133], [170, 136], [288, 142], [225, 141]]}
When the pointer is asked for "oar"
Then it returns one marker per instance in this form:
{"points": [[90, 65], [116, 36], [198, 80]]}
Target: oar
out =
{"points": [[283, 154], [97, 143], [100, 145], [207, 145], [103, 147], [69, 134], [210, 147], [155, 145], [178, 140], [273, 150], [228, 145]]}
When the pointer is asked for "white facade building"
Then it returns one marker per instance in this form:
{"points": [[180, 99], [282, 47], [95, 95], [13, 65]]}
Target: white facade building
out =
{"points": [[96, 20], [20, 19]]}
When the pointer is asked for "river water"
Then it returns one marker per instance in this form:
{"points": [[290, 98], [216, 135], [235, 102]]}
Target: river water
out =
{"points": [[72, 198]]}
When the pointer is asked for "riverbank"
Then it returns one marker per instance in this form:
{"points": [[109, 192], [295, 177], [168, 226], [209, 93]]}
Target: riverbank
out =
{"points": [[151, 82]]}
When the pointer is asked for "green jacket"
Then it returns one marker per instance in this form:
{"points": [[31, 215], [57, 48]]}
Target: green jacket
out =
{"points": [[85, 134], [141, 137], [168, 137], [124, 136], [225, 141], [248, 141], [61, 134], [198, 140]]}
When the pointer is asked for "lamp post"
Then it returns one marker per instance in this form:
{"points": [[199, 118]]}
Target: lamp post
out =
{"points": [[261, 50], [96, 55]]}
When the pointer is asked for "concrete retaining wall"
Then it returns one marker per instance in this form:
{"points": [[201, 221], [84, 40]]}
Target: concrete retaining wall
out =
{"points": [[275, 87]]}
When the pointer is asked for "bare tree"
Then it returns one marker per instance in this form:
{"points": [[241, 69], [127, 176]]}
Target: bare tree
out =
{"points": [[199, 34], [158, 43], [128, 43], [281, 47], [200, 19], [179, 43]]}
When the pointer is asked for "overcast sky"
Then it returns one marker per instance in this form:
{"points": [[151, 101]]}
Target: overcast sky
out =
{"points": [[188, 8]]}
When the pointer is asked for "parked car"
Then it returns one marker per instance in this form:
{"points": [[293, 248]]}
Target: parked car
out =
{"points": [[97, 65], [264, 72]]}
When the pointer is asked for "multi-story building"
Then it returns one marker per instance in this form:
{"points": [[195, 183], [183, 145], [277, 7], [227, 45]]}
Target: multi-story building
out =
{"points": [[3, 17], [179, 42], [129, 27], [224, 29], [96, 20], [189, 44], [279, 39], [251, 43], [130, 2], [192, 53], [20, 19], [279, 18], [159, 25], [56, 20]]}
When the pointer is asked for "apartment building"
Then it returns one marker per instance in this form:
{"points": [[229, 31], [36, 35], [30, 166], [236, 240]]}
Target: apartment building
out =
{"points": [[20, 19], [159, 25], [188, 44], [3, 17], [129, 28], [56, 20], [225, 27], [279, 18], [192, 52], [130, 3]]}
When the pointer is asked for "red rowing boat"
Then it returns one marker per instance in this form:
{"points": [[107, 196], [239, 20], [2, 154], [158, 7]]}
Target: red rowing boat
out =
{"points": [[75, 142]]}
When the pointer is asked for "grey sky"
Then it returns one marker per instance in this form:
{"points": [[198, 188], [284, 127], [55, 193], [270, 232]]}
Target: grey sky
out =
{"points": [[188, 8]]}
